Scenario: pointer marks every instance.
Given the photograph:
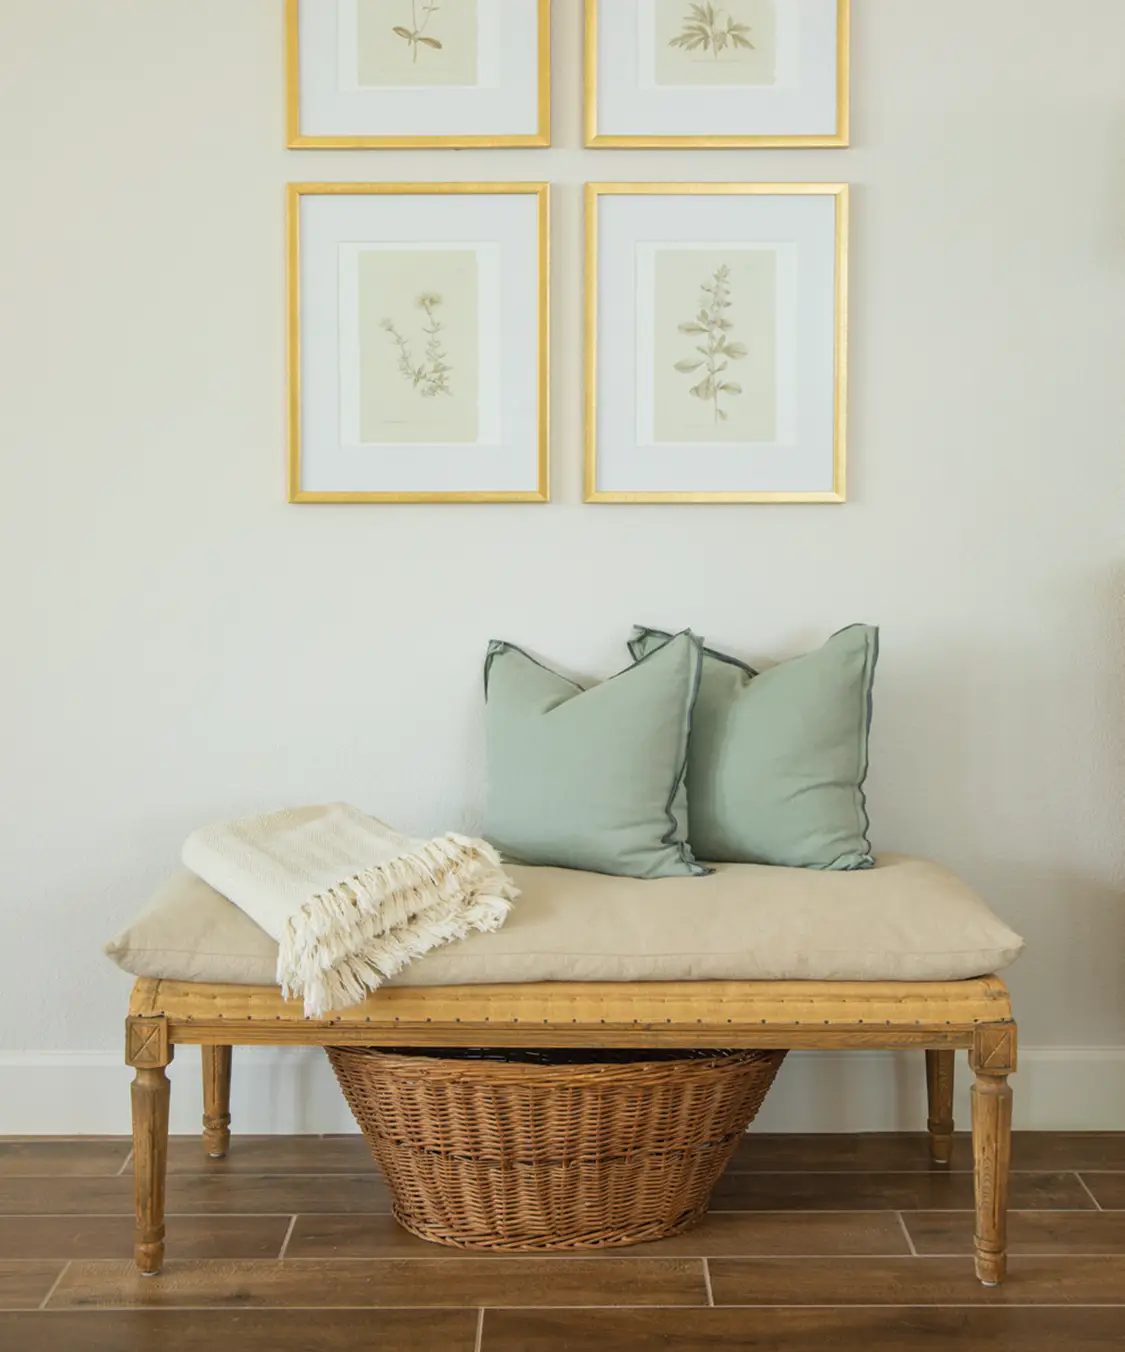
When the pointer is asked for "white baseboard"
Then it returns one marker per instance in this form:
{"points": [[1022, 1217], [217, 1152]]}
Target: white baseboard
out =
{"points": [[282, 1090]]}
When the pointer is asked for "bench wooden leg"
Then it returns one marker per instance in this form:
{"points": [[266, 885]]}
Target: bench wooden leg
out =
{"points": [[993, 1059], [939, 1086], [148, 1050], [216, 1100]]}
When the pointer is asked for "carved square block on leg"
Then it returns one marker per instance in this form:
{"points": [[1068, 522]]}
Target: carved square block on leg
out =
{"points": [[148, 1050]]}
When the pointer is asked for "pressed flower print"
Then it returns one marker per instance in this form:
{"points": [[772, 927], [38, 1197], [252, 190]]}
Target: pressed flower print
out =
{"points": [[418, 345], [716, 42], [416, 42], [715, 345]]}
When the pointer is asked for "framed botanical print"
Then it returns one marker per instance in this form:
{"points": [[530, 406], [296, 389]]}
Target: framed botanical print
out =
{"points": [[418, 73], [716, 342], [418, 333], [717, 72]]}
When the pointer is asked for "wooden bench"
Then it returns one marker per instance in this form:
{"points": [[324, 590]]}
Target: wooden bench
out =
{"points": [[937, 1017]]}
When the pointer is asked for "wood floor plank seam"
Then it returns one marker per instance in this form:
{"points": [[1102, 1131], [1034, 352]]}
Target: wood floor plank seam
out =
{"points": [[521, 1256], [924, 1168], [104, 1174], [906, 1233], [628, 1305], [604, 1255], [217, 1169], [452, 1309], [600, 1256], [1106, 1188], [1085, 1186], [559, 1309], [228, 1166], [587, 1256], [54, 1285], [288, 1237], [184, 1216], [525, 1256], [950, 1253], [944, 1171], [857, 1305]]}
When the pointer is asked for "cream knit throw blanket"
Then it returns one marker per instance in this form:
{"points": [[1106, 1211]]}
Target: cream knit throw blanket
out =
{"points": [[349, 901]]}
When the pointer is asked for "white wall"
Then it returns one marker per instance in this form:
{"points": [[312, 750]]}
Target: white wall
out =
{"points": [[179, 644]]}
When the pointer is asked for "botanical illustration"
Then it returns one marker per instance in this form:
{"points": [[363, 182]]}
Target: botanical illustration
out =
{"points": [[416, 34], [431, 375], [721, 43], [711, 28], [708, 344], [417, 315], [412, 44], [713, 327]]}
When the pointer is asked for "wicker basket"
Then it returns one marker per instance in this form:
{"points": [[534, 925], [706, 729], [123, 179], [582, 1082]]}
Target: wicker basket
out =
{"points": [[513, 1150]]}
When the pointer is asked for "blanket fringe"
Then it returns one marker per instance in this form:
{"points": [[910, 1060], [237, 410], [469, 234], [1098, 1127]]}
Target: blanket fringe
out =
{"points": [[346, 941]]}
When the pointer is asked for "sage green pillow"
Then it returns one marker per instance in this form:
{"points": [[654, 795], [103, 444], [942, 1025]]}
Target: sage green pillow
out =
{"points": [[592, 779], [778, 759]]}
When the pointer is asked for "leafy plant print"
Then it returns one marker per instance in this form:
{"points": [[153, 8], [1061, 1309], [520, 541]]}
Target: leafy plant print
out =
{"points": [[711, 28], [419, 22], [713, 328], [430, 376]]}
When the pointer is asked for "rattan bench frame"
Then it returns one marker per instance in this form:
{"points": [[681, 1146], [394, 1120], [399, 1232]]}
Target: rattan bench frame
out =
{"points": [[937, 1017]]}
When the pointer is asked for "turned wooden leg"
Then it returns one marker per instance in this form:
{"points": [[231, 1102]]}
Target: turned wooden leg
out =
{"points": [[993, 1059], [149, 1051], [939, 1087], [216, 1101]]}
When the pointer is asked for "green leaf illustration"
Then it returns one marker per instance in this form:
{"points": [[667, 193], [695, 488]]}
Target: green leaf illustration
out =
{"points": [[416, 36], [717, 350], [710, 28], [431, 376]]}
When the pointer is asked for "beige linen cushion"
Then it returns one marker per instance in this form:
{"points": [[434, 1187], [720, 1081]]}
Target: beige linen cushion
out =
{"points": [[904, 920]]}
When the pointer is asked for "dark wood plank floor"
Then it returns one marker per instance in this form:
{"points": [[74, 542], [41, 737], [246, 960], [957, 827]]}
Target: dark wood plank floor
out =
{"points": [[849, 1243]]}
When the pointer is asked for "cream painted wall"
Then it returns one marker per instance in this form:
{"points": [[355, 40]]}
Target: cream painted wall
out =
{"points": [[180, 644]]}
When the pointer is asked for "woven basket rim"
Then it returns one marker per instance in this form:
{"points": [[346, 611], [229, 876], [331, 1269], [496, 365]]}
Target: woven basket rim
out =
{"points": [[449, 1068]]}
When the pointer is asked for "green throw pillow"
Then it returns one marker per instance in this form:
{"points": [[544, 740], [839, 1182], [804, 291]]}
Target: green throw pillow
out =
{"points": [[778, 759], [592, 779]]}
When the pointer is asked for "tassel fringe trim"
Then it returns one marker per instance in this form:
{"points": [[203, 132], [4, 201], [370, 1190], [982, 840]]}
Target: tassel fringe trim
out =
{"points": [[346, 941]]}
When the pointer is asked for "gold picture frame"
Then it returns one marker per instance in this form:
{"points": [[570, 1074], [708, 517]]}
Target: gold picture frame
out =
{"points": [[841, 137], [838, 491], [296, 140], [298, 191]]}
